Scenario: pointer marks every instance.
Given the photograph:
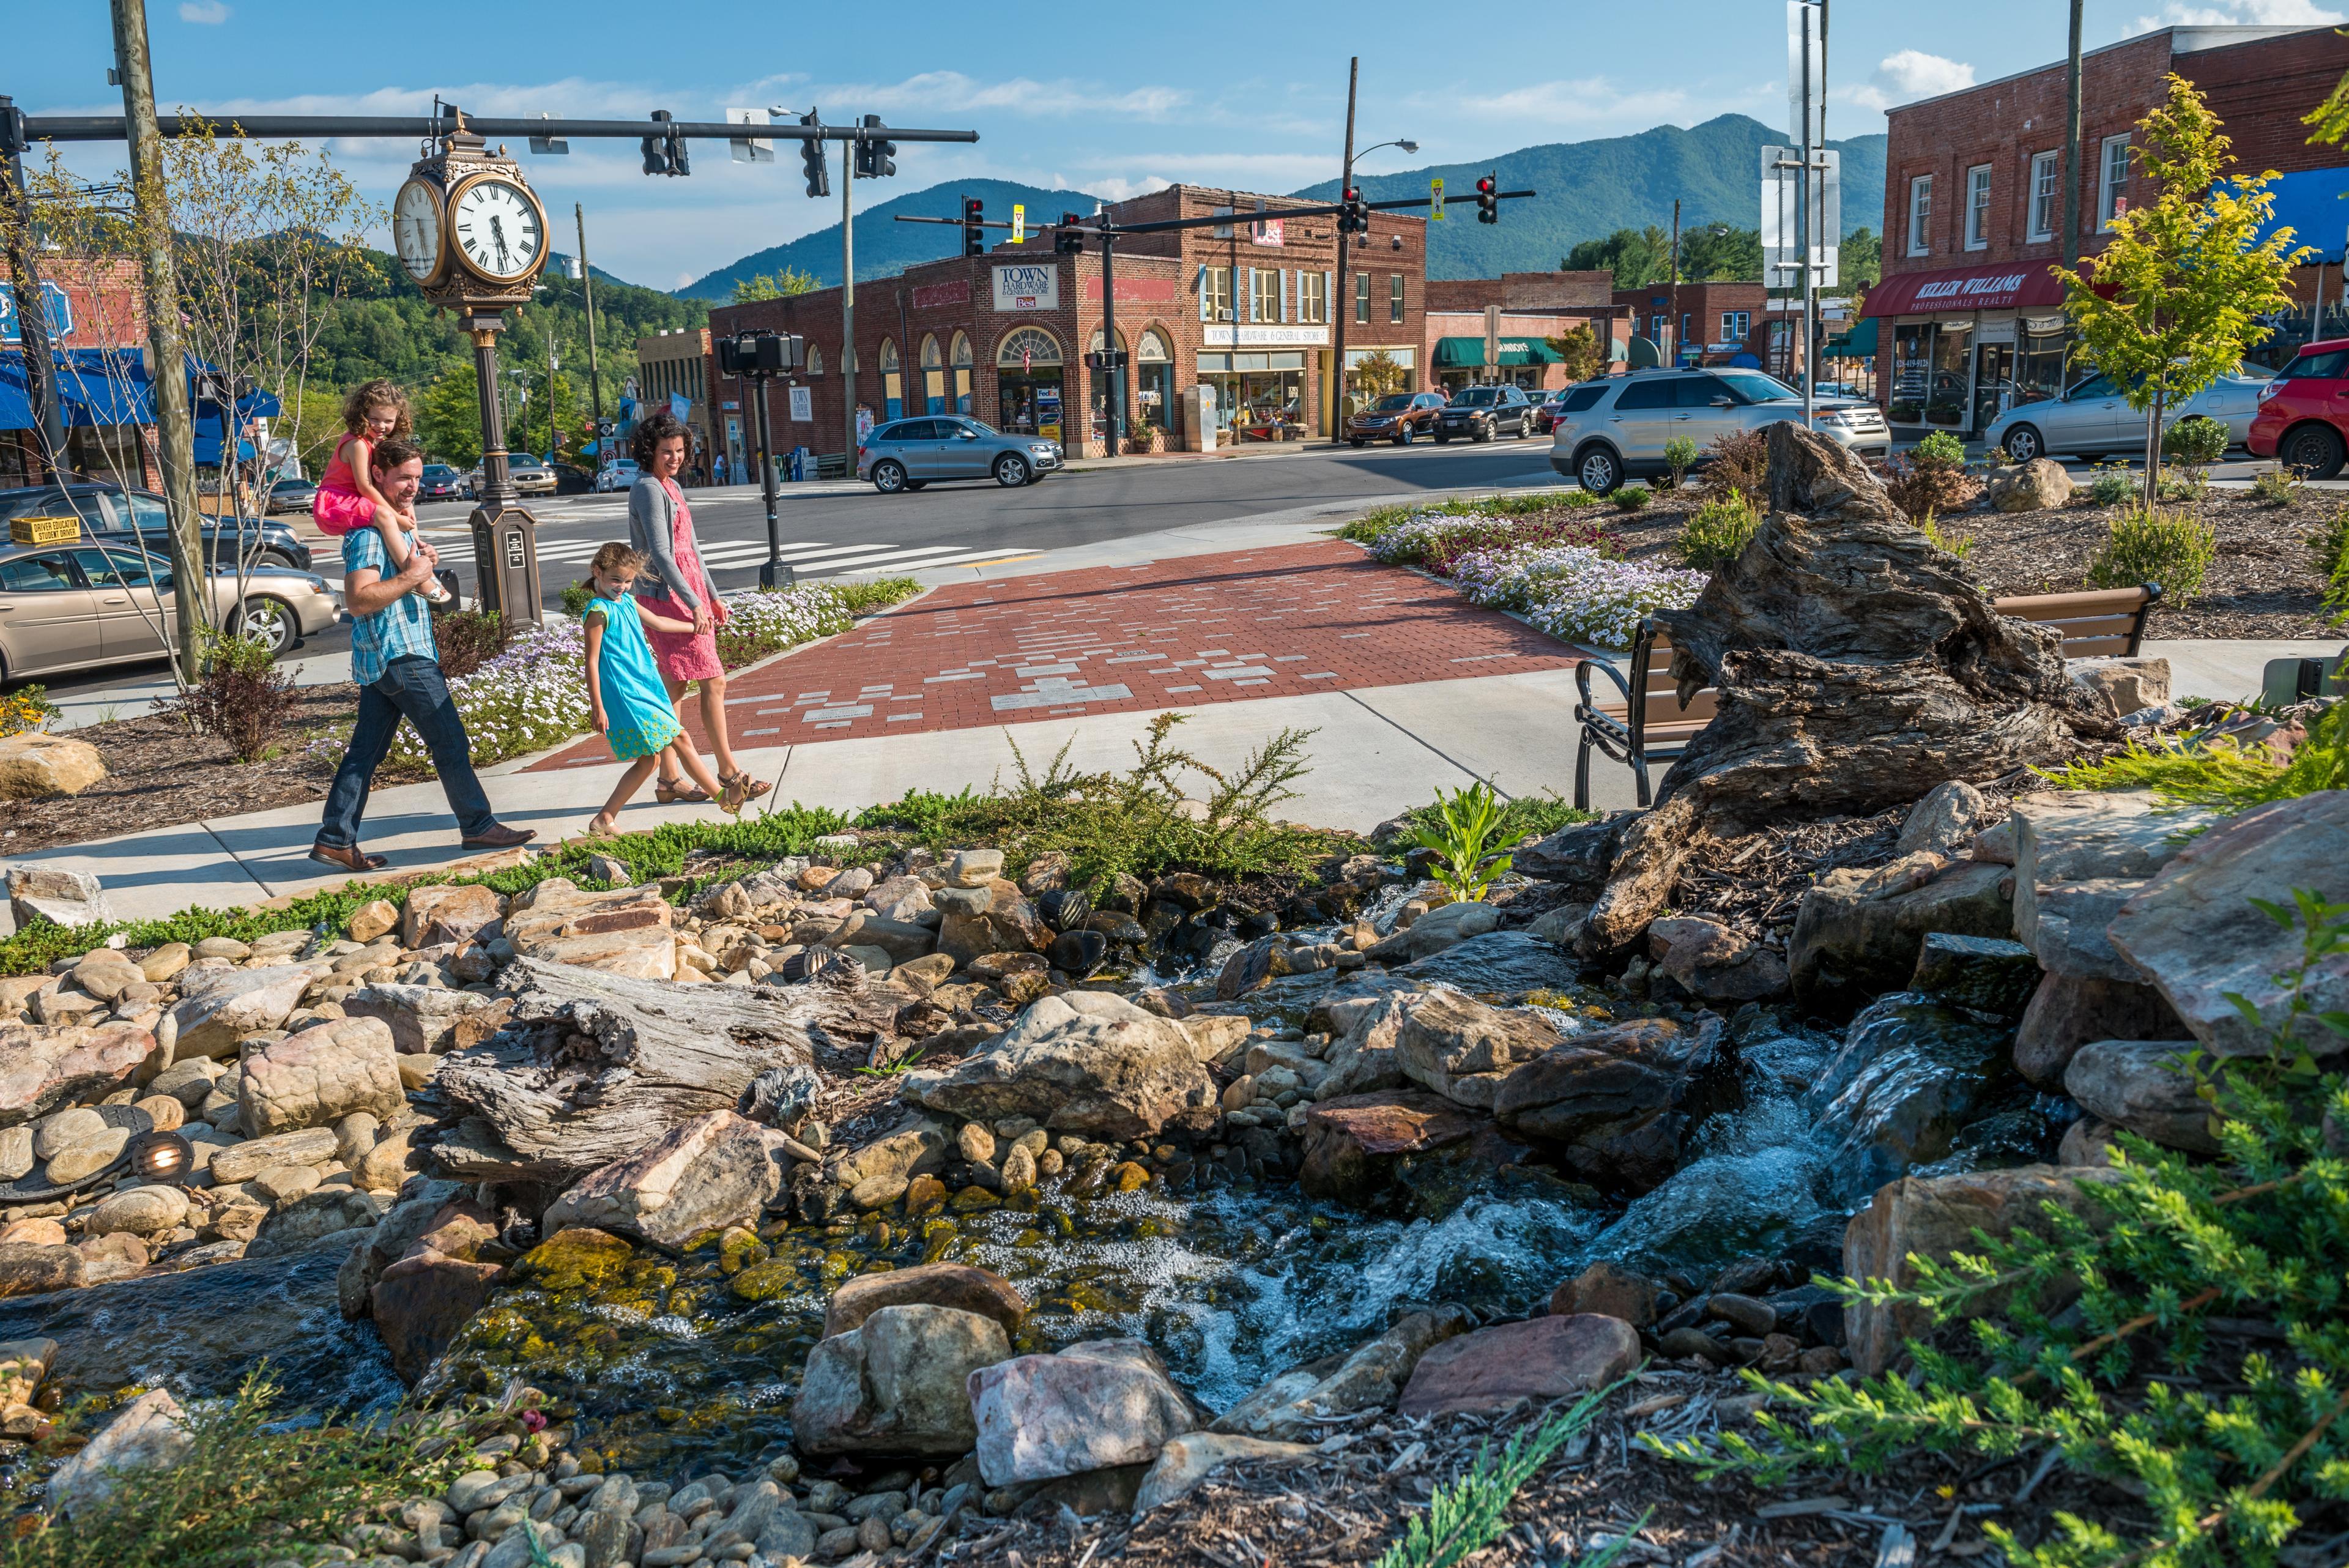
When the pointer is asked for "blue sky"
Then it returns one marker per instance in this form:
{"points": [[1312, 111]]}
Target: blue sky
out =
{"points": [[1127, 98]]}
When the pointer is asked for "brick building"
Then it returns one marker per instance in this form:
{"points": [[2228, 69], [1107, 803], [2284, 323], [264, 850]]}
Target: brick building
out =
{"points": [[97, 323], [1702, 323], [1530, 308], [1967, 320], [1245, 309], [675, 368]]}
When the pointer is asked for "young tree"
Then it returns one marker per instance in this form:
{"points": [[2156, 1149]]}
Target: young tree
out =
{"points": [[1377, 374], [773, 285], [2174, 297], [1579, 349]]}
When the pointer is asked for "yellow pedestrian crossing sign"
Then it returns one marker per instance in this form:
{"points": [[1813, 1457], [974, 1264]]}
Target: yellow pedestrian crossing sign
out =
{"points": [[1435, 204], [1018, 224]]}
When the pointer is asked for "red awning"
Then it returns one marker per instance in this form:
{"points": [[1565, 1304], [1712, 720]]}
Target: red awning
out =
{"points": [[2028, 285]]}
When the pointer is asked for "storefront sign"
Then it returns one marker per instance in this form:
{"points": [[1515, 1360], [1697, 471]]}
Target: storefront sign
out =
{"points": [[1221, 337], [1027, 286], [1964, 289], [1269, 232], [938, 294], [60, 313], [1139, 290], [802, 403]]}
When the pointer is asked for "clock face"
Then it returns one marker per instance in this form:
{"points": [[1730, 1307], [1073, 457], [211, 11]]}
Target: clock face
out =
{"points": [[416, 228], [498, 227]]}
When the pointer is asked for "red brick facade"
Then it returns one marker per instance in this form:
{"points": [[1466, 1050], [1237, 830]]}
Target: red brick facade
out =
{"points": [[107, 305], [1725, 319]]}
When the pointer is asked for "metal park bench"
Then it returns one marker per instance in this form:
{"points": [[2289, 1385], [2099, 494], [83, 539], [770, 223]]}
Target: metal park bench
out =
{"points": [[1656, 727]]}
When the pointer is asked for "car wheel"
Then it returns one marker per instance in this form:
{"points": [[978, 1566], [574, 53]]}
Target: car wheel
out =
{"points": [[888, 478], [2023, 443], [2312, 451], [1010, 470], [915, 483], [1402, 436], [1598, 470], [1356, 443], [270, 621], [1485, 431]]}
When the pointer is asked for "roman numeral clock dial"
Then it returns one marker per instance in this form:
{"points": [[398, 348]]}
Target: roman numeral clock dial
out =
{"points": [[499, 228], [416, 228]]}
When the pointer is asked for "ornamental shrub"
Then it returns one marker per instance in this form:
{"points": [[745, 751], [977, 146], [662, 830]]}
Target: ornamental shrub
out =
{"points": [[2328, 550], [2113, 484], [1739, 463], [1630, 498], [1930, 477], [2278, 486], [1680, 455], [1939, 449], [1716, 532], [2156, 544], [2196, 443], [240, 698]]}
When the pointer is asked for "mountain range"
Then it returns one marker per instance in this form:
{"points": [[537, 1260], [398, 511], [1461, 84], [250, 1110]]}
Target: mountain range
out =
{"points": [[1587, 189]]}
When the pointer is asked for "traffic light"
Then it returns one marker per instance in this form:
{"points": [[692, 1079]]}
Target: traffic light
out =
{"points": [[1356, 218], [812, 162], [876, 158], [1488, 200], [974, 238], [655, 147], [1068, 239], [680, 162]]}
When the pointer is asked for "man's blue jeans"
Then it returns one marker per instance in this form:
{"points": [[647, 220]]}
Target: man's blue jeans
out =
{"points": [[410, 689]]}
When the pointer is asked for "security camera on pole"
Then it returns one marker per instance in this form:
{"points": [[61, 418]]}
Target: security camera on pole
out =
{"points": [[473, 235], [758, 357]]}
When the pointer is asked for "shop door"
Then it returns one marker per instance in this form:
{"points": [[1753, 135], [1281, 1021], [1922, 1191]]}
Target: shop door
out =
{"points": [[1993, 383]]}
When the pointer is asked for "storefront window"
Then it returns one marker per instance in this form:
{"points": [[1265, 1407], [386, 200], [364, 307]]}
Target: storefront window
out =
{"points": [[1101, 381], [1314, 296], [1027, 383], [2039, 359], [1264, 293], [960, 355], [1154, 380], [934, 377], [1215, 293], [1945, 401], [1362, 297], [893, 381], [1258, 396], [1912, 371], [814, 361]]}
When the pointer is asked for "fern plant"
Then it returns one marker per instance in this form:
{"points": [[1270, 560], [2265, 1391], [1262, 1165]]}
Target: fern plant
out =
{"points": [[1468, 823], [1464, 1514], [2229, 1454]]}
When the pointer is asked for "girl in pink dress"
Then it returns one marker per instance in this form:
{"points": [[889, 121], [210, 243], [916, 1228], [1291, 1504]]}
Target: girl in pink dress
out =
{"points": [[347, 500]]}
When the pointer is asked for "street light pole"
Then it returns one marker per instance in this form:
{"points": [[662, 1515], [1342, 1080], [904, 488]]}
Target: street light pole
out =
{"points": [[1339, 305], [32, 304], [848, 302], [587, 293]]}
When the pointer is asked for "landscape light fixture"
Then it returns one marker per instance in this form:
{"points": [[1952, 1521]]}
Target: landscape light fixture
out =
{"points": [[163, 1158]]}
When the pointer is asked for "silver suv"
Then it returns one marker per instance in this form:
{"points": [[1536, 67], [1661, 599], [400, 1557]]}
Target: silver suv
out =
{"points": [[911, 453], [1616, 428]]}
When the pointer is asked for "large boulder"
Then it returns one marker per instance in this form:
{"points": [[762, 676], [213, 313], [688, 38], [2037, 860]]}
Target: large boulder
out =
{"points": [[244, 1161], [627, 930], [419, 1303], [1098, 1403], [1715, 963], [1360, 1147], [35, 766], [2090, 835], [1085, 1062], [41, 1069], [1541, 1359], [429, 1018], [447, 913], [139, 1211], [1007, 923], [1361, 1056], [898, 1383], [903, 940], [316, 1078], [307, 1220], [1943, 821], [957, 1285], [1300, 1402], [2067, 1010], [70, 898], [2123, 686], [219, 1007], [1462, 1048], [1498, 964], [1618, 1102], [1933, 1217], [2039, 486], [1858, 932], [35, 1268], [2144, 1086], [150, 1433], [715, 1170], [2196, 932]]}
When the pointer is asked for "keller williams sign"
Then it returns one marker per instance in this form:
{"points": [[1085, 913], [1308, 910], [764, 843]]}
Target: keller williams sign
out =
{"points": [[1027, 286], [2003, 288]]}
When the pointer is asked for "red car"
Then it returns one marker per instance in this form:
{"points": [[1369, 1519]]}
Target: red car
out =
{"points": [[2304, 417]]}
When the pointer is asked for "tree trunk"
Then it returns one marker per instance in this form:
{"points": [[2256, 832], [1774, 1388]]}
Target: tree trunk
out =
{"points": [[593, 1066], [2153, 450]]}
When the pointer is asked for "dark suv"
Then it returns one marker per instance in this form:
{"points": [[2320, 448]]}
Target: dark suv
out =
{"points": [[1480, 413], [106, 509]]}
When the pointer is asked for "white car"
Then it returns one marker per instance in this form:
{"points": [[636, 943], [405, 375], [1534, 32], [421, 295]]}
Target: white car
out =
{"points": [[2093, 418], [620, 473]]}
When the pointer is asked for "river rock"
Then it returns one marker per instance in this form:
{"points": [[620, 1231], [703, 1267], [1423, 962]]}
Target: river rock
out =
{"points": [[447, 913], [1372, 1377], [1359, 1148], [1715, 963], [1543, 1358], [2143, 1087], [1432, 932], [2086, 836], [43, 1068], [896, 1383], [429, 1018], [1008, 924], [1498, 964], [85, 1158], [219, 1007], [106, 974], [68, 899], [1986, 974], [957, 1285], [1361, 1056], [2195, 933], [1097, 1404], [2070, 927], [1617, 1102], [718, 1169], [1090, 1063], [244, 1161], [2066, 1011], [2123, 686], [1462, 1048], [318, 1076], [1933, 1217], [1609, 1289], [309, 1220], [372, 920], [1911, 1076], [901, 940], [29, 1269], [1215, 1037], [149, 1433], [1858, 931], [421, 1300], [139, 1211], [1944, 821], [1578, 855], [627, 931], [1187, 1460]]}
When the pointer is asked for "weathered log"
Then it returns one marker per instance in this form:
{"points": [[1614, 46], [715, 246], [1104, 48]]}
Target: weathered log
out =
{"points": [[1857, 667], [593, 1066]]}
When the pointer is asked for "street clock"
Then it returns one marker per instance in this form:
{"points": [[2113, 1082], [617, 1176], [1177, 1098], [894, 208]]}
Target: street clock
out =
{"points": [[468, 227]]}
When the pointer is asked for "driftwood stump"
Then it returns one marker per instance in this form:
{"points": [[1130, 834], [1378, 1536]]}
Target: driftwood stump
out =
{"points": [[1857, 667], [593, 1066]]}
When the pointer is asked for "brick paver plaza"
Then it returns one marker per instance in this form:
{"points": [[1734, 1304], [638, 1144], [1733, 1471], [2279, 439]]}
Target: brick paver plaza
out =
{"points": [[1165, 634]]}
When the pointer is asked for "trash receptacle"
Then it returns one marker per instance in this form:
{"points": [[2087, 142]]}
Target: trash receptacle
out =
{"points": [[799, 464]]}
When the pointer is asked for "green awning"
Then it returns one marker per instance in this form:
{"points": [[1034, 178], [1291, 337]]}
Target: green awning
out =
{"points": [[1860, 343], [1468, 353]]}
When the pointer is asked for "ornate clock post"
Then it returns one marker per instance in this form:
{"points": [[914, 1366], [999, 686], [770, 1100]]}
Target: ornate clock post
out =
{"points": [[473, 235]]}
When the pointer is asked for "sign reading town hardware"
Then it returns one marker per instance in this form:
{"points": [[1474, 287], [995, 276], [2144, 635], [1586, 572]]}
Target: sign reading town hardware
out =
{"points": [[1027, 286]]}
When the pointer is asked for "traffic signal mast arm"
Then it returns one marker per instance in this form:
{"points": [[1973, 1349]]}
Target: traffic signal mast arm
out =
{"points": [[109, 128], [1166, 225]]}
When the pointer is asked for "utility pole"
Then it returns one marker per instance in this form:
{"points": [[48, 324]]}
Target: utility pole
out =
{"points": [[1109, 339], [1672, 328], [553, 437], [1342, 305], [167, 361], [2070, 248], [848, 301], [32, 304], [1804, 238], [587, 292]]}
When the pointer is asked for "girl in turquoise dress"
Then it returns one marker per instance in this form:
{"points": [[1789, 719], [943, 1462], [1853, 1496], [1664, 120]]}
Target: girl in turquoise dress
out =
{"points": [[626, 702]]}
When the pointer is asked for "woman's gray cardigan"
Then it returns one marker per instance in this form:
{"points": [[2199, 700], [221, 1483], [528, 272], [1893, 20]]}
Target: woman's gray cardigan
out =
{"points": [[652, 532]]}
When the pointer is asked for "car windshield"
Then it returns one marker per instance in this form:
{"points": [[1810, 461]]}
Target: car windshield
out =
{"points": [[982, 427], [1475, 398], [439, 471], [1393, 402], [1755, 387], [2329, 364]]}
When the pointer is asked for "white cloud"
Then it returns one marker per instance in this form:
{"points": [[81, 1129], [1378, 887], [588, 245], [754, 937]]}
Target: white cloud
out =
{"points": [[203, 13], [1585, 105], [1904, 77], [2238, 13]]}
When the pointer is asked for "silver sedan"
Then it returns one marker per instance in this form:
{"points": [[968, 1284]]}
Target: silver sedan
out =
{"points": [[2093, 418], [74, 605]]}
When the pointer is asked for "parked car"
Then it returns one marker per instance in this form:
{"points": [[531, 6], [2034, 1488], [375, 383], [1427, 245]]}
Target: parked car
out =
{"points": [[911, 453], [1482, 413], [1546, 404], [1617, 428], [441, 483], [528, 475], [71, 607], [620, 473], [291, 495], [1397, 417], [570, 479], [2303, 414], [110, 513], [2093, 417]]}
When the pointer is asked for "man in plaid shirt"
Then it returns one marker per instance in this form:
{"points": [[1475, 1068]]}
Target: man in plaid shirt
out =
{"points": [[397, 670]]}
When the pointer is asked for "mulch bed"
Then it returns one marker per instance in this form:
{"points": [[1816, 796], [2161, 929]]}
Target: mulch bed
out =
{"points": [[2262, 585], [160, 773]]}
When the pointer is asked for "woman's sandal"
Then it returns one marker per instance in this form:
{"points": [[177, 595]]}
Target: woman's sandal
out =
{"points": [[682, 794], [752, 788], [731, 801]]}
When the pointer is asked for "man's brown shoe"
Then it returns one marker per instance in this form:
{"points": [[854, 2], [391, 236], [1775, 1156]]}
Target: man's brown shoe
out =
{"points": [[349, 857], [500, 838]]}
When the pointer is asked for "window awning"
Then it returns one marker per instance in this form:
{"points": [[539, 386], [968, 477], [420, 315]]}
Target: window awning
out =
{"points": [[1468, 353], [2004, 288], [1860, 343]]}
